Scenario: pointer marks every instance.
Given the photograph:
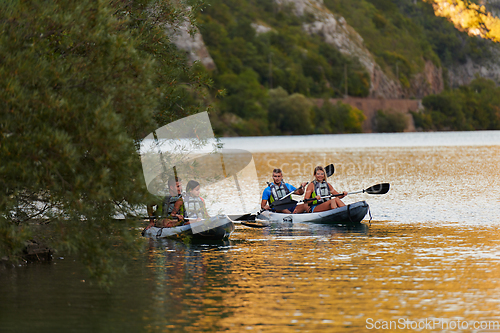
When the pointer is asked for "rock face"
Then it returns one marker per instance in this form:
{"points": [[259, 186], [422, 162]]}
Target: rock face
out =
{"points": [[464, 74], [193, 45], [428, 82], [335, 31]]}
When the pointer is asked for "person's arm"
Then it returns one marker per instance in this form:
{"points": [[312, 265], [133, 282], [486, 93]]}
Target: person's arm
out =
{"points": [[309, 191], [300, 190], [205, 212], [264, 205], [151, 215], [291, 188], [265, 198], [334, 191], [177, 208]]}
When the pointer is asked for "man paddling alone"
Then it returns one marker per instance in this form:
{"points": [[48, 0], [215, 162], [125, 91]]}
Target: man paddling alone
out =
{"points": [[279, 189]]}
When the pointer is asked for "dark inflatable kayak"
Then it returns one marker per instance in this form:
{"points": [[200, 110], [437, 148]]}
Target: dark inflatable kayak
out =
{"points": [[216, 228], [348, 215]]}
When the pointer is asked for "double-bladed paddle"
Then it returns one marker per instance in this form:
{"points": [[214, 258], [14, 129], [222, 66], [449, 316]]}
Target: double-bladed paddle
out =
{"points": [[251, 224], [375, 189]]}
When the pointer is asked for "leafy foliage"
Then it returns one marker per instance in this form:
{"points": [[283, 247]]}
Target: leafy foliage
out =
{"points": [[472, 107], [290, 114], [338, 118], [390, 121], [408, 32], [80, 83]]}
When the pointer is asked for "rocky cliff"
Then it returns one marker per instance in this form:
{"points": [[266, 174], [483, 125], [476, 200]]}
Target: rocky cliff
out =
{"points": [[334, 29], [490, 69], [193, 45], [463, 74]]}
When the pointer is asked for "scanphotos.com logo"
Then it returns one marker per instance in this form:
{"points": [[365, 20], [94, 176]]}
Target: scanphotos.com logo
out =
{"points": [[433, 324]]}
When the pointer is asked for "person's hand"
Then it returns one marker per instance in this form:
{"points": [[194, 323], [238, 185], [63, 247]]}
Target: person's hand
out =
{"points": [[170, 223], [266, 207], [343, 194]]}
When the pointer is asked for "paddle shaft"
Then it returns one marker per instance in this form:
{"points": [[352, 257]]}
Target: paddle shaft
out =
{"points": [[375, 189], [289, 194]]}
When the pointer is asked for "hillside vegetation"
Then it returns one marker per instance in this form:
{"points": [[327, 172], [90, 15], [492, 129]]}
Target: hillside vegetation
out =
{"points": [[400, 34]]}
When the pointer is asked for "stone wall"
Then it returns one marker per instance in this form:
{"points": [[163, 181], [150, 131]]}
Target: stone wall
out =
{"points": [[370, 106]]}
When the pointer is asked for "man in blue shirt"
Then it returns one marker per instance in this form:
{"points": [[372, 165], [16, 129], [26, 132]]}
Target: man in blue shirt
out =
{"points": [[279, 189]]}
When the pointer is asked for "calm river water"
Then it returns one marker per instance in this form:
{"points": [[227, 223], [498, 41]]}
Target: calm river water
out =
{"points": [[428, 261]]}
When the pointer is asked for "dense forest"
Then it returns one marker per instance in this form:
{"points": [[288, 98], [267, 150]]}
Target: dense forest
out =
{"points": [[400, 34]]}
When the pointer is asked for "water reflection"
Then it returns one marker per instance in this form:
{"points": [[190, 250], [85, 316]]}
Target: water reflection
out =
{"points": [[187, 283], [328, 279], [312, 230]]}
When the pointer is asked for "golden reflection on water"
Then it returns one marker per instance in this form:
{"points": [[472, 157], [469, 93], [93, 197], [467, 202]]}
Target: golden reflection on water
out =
{"points": [[443, 265], [332, 280]]}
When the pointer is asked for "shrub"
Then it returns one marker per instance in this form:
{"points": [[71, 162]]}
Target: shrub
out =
{"points": [[390, 121], [338, 118]]}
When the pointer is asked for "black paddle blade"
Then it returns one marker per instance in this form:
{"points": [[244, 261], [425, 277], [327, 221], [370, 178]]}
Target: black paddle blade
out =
{"points": [[246, 217], [378, 189], [330, 170], [283, 205]]}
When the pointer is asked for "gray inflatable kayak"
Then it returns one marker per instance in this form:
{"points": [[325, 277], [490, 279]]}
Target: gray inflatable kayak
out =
{"points": [[219, 227], [348, 215]]}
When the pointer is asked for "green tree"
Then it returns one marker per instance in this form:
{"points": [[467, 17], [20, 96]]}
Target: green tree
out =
{"points": [[483, 103], [390, 121], [337, 118], [446, 110], [289, 114], [470, 107], [80, 83]]}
